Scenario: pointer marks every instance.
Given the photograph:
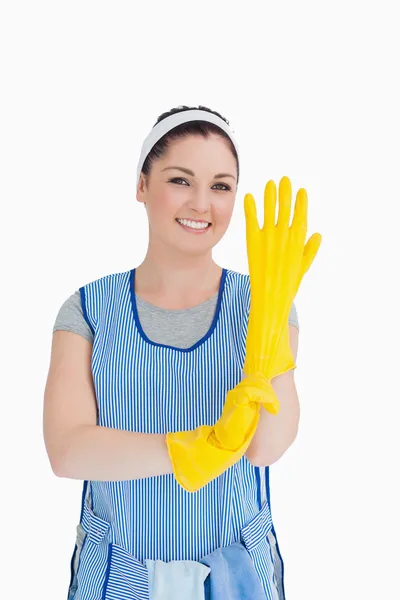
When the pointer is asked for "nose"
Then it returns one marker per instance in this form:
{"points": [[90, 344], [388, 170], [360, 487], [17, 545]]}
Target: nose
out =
{"points": [[200, 201]]}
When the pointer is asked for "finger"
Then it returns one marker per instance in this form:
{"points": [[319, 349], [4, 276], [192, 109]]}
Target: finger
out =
{"points": [[285, 202], [250, 212], [257, 387], [250, 384], [272, 407], [299, 221], [310, 251], [269, 205]]}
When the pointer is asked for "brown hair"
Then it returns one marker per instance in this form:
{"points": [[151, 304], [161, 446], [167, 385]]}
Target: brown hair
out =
{"points": [[203, 128]]}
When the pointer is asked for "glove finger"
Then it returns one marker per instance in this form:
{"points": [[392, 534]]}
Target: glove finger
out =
{"points": [[250, 212], [253, 395], [256, 389], [285, 202], [272, 407], [269, 205], [299, 221], [260, 391], [310, 251], [256, 381]]}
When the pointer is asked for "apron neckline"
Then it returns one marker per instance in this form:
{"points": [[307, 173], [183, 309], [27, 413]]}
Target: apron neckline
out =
{"points": [[199, 342]]}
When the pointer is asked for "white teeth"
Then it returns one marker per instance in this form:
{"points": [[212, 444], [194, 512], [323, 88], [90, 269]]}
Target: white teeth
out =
{"points": [[193, 224]]}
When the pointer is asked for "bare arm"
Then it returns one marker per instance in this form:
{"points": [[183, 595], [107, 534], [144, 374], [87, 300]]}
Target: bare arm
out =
{"points": [[76, 446], [276, 433], [101, 453]]}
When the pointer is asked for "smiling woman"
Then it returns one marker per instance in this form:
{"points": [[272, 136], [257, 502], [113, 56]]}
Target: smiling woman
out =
{"points": [[152, 411], [208, 156]]}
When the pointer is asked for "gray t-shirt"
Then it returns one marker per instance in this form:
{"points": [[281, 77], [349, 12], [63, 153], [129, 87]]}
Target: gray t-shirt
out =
{"points": [[180, 328]]}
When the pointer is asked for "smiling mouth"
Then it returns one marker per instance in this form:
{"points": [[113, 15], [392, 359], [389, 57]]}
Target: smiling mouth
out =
{"points": [[200, 229]]}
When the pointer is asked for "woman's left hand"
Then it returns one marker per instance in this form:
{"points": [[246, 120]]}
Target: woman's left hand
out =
{"points": [[278, 258]]}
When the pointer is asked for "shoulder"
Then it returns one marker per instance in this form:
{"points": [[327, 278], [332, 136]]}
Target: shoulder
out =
{"points": [[105, 282], [241, 281], [70, 318], [97, 296]]}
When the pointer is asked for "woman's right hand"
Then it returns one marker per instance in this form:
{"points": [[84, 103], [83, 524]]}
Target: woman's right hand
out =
{"points": [[201, 454], [241, 411]]}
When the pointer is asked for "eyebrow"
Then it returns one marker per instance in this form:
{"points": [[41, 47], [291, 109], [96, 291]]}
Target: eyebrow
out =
{"points": [[189, 172]]}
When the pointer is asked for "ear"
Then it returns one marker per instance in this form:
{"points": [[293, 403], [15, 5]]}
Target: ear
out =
{"points": [[140, 191]]}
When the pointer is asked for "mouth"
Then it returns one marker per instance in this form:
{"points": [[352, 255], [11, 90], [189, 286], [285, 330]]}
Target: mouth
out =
{"points": [[192, 230]]}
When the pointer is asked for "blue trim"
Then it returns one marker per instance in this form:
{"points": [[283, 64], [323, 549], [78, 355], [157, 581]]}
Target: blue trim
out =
{"points": [[107, 576], [274, 532], [83, 302], [282, 563], [199, 342], [267, 487], [83, 499], [258, 479], [76, 545]]}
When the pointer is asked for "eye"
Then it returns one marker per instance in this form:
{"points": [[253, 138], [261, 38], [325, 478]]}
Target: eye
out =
{"points": [[177, 179], [227, 187]]}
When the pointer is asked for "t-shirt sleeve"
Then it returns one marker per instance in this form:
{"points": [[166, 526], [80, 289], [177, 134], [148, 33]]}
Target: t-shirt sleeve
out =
{"points": [[293, 319], [70, 318]]}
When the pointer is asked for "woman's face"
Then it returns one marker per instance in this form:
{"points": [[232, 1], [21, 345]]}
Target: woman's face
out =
{"points": [[206, 194]]}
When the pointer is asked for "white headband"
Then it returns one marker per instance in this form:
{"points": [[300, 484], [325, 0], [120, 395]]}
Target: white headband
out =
{"points": [[172, 121]]}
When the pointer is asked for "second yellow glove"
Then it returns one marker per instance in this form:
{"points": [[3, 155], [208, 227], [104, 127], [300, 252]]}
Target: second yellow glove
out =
{"points": [[200, 455]]}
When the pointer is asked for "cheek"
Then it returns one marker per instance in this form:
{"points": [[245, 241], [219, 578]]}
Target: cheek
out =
{"points": [[171, 204], [163, 208], [223, 213]]}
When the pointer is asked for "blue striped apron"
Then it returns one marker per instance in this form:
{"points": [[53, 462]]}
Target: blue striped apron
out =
{"points": [[148, 387]]}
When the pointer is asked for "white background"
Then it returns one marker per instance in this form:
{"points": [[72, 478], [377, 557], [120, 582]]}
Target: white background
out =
{"points": [[310, 89]]}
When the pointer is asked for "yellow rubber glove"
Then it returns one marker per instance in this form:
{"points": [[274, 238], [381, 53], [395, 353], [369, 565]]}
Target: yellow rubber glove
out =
{"points": [[278, 260], [198, 456], [277, 263]]}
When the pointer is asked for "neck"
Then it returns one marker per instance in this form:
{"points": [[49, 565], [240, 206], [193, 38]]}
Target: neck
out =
{"points": [[184, 280]]}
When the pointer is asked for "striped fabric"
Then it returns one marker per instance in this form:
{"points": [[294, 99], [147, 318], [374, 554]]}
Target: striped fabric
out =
{"points": [[148, 387]]}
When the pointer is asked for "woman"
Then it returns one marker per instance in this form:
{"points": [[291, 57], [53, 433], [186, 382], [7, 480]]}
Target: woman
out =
{"points": [[165, 344]]}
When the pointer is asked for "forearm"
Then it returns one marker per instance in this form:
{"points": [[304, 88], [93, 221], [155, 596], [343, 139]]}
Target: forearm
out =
{"points": [[276, 433], [104, 454]]}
